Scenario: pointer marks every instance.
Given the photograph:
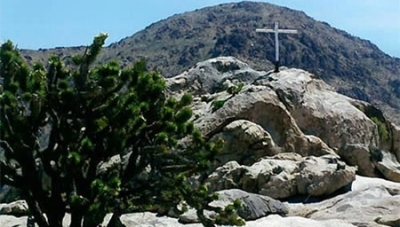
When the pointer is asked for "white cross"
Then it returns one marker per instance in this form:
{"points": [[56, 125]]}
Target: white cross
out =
{"points": [[276, 30]]}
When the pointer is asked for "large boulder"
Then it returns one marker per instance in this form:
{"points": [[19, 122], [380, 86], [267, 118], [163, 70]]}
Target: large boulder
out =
{"points": [[259, 105], [323, 175], [389, 166], [274, 178], [369, 201], [320, 111], [245, 142], [212, 76], [262, 106], [312, 176], [253, 206], [360, 155], [362, 183]]}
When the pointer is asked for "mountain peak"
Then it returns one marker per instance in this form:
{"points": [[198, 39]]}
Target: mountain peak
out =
{"points": [[353, 66]]}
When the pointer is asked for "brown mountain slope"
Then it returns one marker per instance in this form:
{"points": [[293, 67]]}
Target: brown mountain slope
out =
{"points": [[355, 67]]}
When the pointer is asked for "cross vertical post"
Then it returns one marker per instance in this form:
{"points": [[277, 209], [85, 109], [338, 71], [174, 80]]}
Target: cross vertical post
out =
{"points": [[276, 31]]}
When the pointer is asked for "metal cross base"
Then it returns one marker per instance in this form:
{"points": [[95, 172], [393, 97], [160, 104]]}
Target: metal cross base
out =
{"points": [[277, 67]]}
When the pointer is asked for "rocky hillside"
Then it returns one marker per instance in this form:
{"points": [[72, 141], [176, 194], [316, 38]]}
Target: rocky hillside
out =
{"points": [[294, 150], [290, 111], [351, 65]]}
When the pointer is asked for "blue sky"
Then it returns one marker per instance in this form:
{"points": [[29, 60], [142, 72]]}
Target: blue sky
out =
{"points": [[37, 24]]}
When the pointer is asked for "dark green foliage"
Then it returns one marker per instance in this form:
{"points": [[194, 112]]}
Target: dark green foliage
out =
{"points": [[90, 116], [227, 216], [233, 90], [277, 170], [375, 154], [382, 130], [217, 104]]}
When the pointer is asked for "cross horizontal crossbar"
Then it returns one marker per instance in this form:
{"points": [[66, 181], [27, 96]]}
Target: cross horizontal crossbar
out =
{"points": [[268, 30]]}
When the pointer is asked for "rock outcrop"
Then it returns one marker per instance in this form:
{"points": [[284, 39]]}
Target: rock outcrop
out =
{"points": [[288, 136], [245, 142], [289, 111], [312, 176]]}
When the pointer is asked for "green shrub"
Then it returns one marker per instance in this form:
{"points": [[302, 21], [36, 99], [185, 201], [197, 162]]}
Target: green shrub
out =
{"points": [[382, 129], [217, 104]]}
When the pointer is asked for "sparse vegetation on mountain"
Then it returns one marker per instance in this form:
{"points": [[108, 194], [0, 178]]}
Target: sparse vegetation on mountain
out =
{"points": [[90, 141]]}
